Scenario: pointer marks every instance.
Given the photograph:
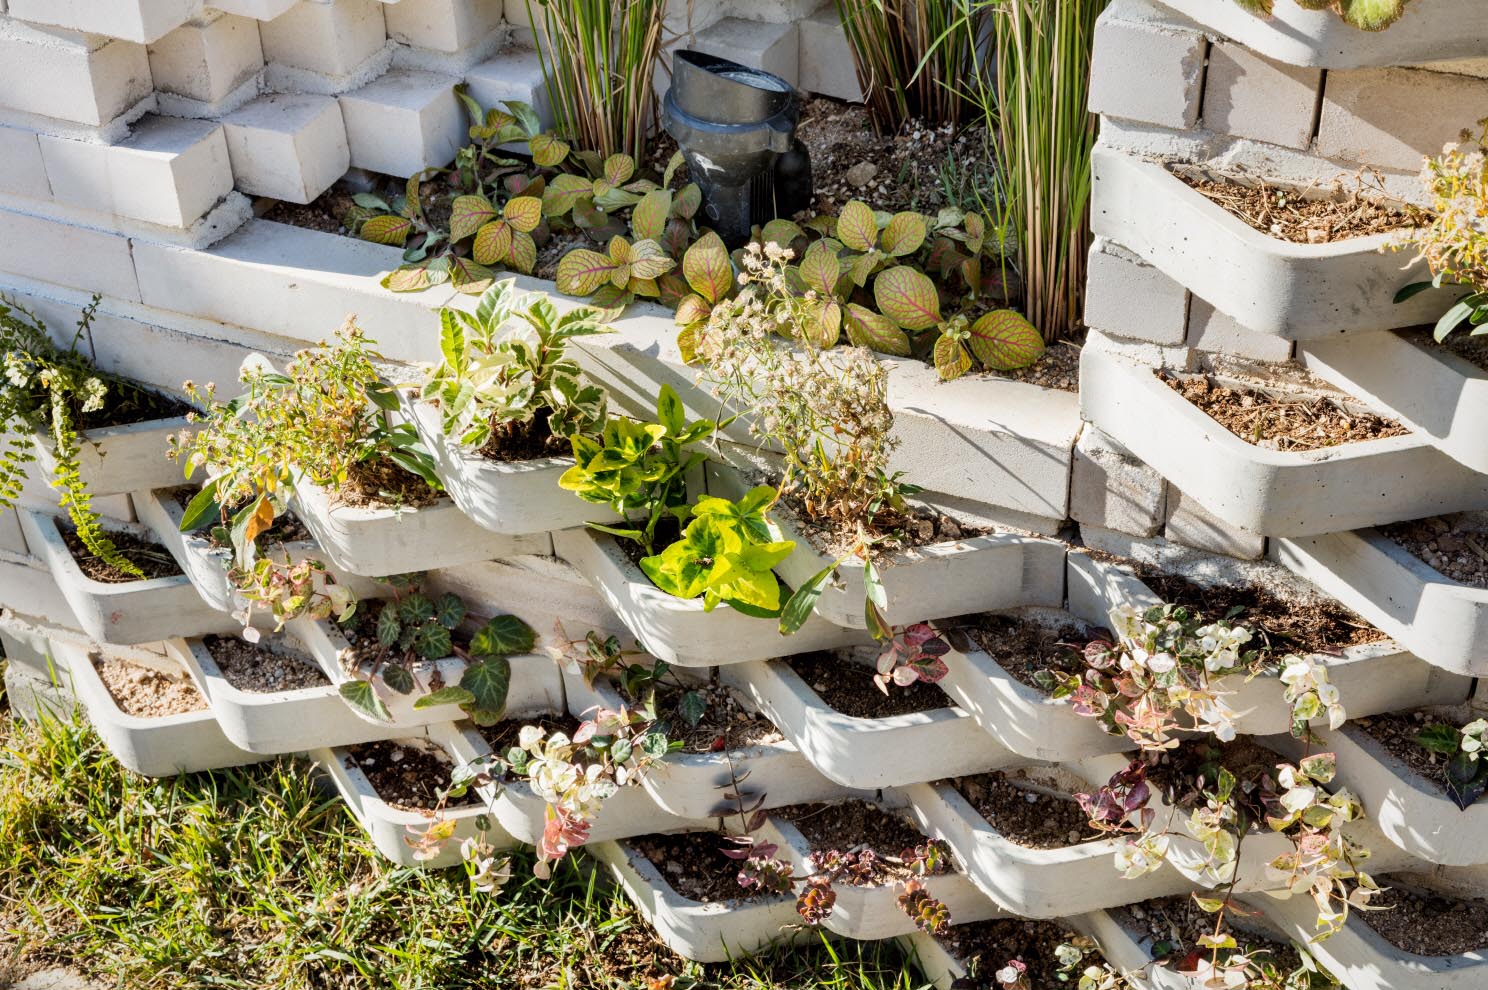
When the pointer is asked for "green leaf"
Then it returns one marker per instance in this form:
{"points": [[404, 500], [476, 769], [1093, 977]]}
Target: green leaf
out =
{"points": [[449, 610], [488, 682], [951, 359], [1441, 739], [469, 214], [693, 707], [857, 227], [648, 221], [820, 269], [398, 678], [803, 602], [564, 193], [581, 272], [547, 150], [865, 328], [503, 636], [389, 629], [707, 268], [905, 234], [386, 230], [907, 297], [454, 695], [432, 641], [669, 412], [1004, 340], [361, 696], [203, 508]]}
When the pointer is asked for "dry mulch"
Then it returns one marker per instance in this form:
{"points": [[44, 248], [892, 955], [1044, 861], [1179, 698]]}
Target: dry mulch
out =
{"points": [[1454, 546], [1023, 647], [1288, 626], [1059, 368], [848, 687], [248, 667], [404, 774], [146, 692], [1280, 422], [854, 825], [380, 483], [150, 557], [984, 947], [1426, 923], [695, 866], [1029, 818], [324, 213], [512, 441], [1291, 216], [1397, 733], [919, 526]]}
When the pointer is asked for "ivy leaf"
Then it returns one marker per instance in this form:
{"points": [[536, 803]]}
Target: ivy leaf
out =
{"points": [[454, 695], [361, 696], [488, 682], [503, 636], [907, 297], [693, 707], [398, 678], [449, 610]]}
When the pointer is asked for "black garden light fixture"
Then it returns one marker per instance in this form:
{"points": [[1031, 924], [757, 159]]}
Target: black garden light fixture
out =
{"points": [[736, 127]]}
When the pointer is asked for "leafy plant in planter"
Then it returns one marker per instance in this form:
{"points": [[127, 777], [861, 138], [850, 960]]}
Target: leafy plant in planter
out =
{"points": [[1454, 241], [49, 390], [1368, 15], [506, 364], [1466, 773]]}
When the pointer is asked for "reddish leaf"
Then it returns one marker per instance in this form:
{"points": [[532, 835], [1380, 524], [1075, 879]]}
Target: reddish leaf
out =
{"points": [[547, 150], [951, 359], [707, 268], [820, 269]]}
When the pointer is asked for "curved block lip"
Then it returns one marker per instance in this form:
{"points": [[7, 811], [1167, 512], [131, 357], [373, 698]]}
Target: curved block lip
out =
{"points": [[101, 443], [54, 551]]}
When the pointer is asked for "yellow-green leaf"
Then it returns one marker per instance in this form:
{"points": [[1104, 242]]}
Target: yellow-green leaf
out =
{"points": [[648, 221], [581, 272], [469, 214], [865, 328], [547, 150], [688, 201], [707, 268], [857, 227], [387, 230], [470, 276], [492, 243], [564, 193], [1004, 340], [523, 254], [820, 269], [823, 324], [618, 169], [524, 213], [908, 298], [951, 359], [905, 234], [693, 310], [782, 232]]}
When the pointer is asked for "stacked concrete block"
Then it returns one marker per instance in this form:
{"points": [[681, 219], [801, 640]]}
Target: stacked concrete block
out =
{"points": [[1391, 118], [207, 67], [1113, 490], [773, 46], [405, 121], [131, 20], [445, 35], [331, 47], [60, 80], [1251, 96], [1148, 66], [24, 174], [289, 146], [826, 58]]}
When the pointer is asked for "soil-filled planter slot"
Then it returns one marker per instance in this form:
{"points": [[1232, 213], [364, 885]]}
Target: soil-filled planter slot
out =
{"points": [[536, 685], [380, 541], [868, 909], [704, 931], [1023, 878], [1442, 621], [390, 819], [127, 613], [514, 498], [1271, 286], [302, 711], [920, 742], [1444, 29], [1437, 393], [972, 953], [691, 783], [677, 630], [974, 574], [148, 711], [113, 460], [1272, 492]]}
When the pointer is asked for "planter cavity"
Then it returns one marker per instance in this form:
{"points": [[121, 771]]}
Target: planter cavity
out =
{"points": [[736, 127], [944, 963], [125, 614]]}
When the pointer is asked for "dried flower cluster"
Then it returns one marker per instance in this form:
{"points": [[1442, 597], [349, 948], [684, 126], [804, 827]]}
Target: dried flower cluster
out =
{"points": [[1455, 242]]}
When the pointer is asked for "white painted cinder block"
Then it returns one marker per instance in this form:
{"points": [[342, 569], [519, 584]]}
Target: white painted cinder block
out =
{"points": [[1127, 297], [132, 20], [1147, 66], [325, 47], [24, 171], [448, 26], [207, 60], [1212, 331], [78, 172], [1394, 118], [515, 74], [67, 255], [59, 73], [171, 171], [825, 57], [289, 146], [1250, 96], [403, 122], [776, 11], [259, 10], [1112, 489], [1192, 525], [772, 47]]}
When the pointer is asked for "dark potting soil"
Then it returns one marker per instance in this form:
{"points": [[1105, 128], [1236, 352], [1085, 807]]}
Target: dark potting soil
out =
{"points": [[1023, 647], [406, 775], [852, 825], [1454, 546], [1172, 926], [150, 557], [848, 687], [503, 736], [128, 403], [1281, 421], [514, 441], [727, 723], [379, 483], [694, 865], [1024, 816], [1397, 733], [249, 667], [1427, 923], [984, 947]]}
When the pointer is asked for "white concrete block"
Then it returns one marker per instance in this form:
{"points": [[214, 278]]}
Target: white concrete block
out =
{"points": [[1112, 489], [259, 10], [1192, 525], [67, 255], [208, 59], [1147, 67], [405, 121], [78, 172], [171, 171], [772, 47], [1127, 297], [448, 26], [53, 72], [514, 74], [775, 11], [825, 57], [131, 20], [1251, 96], [1212, 331], [516, 14], [1393, 118], [287, 146], [334, 40], [24, 173]]}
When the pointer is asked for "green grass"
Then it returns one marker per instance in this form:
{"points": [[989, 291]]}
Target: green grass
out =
{"points": [[254, 878]]}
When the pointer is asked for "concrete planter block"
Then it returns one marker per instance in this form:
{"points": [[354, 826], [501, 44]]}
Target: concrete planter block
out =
{"points": [[715, 932], [1131, 953], [287, 146], [122, 614], [445, 26], [1250, 96], [1442, 621], [1270, 286], [120, 459], [977, 574], [259, 10], [404, 121], [536, 686], [334, 38], [131, 20], [678, 631], [1031, 883], [1147, 66], [276, 722], [1436, 393], [1269, 492], [512, 74], [377, 542], [511, 498], [84, 78], [389, 827], [867, 753], [208, 62], [825, 59], [1319, 38], [691, 785], [773, 47], [1364, 960], [1372, 116], [35, 248], [27, 589], [1024, 719], [155, 747], [872, 913], [1413, 812]]}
